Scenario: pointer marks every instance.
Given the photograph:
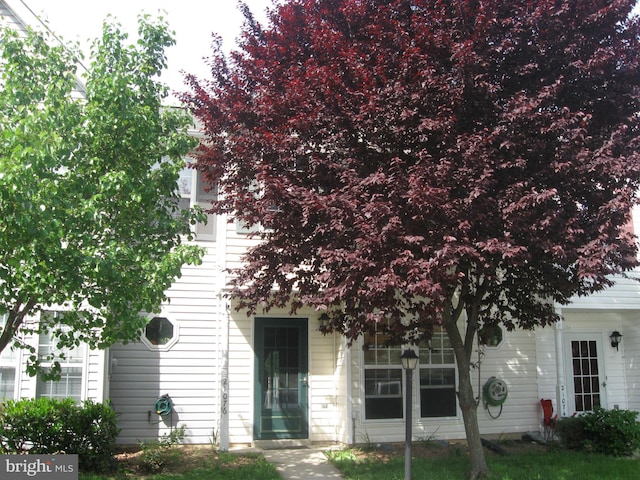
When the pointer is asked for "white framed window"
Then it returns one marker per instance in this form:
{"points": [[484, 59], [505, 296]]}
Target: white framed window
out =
{"points": [[437, 370], [194, 192], [8, 369], [245, 228], [160, 333], [491, 336], [72, 364], [382, 379]]}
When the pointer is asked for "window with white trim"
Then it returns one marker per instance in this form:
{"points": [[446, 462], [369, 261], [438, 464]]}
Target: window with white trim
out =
{"points": [[160, 334], [72, 365], [437, 376], [382, 378], [491, 336], [243, 227], [193, 191], [8, 363]]}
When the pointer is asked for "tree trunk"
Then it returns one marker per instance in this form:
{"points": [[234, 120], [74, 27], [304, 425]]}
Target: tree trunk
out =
{"points": [[15, 317], [469, 409], [468, 405]]}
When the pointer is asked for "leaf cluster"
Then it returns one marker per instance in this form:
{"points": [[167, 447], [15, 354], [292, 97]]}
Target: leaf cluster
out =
{"points": [[421, 160], [610, 432], [50, 426], [88, 184]]}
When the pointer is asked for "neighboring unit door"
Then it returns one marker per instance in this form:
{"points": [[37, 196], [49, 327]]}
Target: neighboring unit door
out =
{"points": [[281, 390], [585, 372]]}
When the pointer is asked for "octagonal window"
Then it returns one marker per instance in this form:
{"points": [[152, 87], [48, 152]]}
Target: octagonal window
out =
{"points": [[490, 335], [160, 333]]}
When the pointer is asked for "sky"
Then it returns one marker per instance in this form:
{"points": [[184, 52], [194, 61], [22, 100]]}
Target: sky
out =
{"points": [[192, 20]]}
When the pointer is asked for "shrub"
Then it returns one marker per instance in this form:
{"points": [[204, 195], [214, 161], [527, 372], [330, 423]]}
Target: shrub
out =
{"points": [[49, 426], [158, 454], [612, 432], [571, 432]]}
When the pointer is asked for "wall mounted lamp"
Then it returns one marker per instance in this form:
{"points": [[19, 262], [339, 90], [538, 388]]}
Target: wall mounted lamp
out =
{"points": [[323, 320], [616, 338]]}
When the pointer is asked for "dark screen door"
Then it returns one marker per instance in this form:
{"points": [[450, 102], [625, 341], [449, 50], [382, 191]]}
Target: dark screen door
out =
{"points": [[281, 393]]}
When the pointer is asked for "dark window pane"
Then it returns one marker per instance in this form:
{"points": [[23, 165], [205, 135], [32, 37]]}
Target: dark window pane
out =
{"points": [[383, 382], [437, 402], [575, 349], [577, 385], [576, 367], [587, 403], [584, 350], [383, 393], [159, 331], [383, 407]]}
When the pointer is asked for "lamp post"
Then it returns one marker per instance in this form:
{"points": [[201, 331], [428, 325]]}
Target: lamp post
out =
{"points": [[409, 361]]}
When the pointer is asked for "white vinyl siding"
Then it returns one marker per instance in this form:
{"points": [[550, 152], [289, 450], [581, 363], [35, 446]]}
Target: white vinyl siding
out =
{"points": [[188, 371], [631, 354]]}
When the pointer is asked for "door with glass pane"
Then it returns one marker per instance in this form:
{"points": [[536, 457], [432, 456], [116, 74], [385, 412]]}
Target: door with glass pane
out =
{"points": [[281, 390], [585, 373]]}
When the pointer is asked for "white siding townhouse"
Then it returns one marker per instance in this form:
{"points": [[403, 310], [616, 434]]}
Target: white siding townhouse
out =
{"points": [[241, 380]]}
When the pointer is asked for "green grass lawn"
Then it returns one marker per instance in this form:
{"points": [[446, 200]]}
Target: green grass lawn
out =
{"points": [[547, 465], [221, 466]]}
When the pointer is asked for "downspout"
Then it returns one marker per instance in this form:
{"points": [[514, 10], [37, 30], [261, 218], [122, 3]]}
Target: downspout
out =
{"points": [[351, 417], [561, 389], [335, 397], [224, 319], [224, 376]]}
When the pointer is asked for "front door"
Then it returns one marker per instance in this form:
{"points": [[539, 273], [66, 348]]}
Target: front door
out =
{"points": [[585, 372], [281, 392]]}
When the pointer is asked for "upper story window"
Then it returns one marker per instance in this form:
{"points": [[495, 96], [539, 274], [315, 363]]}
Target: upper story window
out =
{"points": [[72, 365], [193, 192]]}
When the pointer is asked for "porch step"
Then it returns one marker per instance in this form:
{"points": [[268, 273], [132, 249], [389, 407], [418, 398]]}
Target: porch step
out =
{"points": [[281, 444]]}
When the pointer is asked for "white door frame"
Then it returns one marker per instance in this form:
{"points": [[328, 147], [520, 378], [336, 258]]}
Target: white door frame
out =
{"points": [[597, 337]]}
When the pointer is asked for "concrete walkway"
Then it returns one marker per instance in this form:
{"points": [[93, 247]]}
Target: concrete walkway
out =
{"points": [[302, 463]]}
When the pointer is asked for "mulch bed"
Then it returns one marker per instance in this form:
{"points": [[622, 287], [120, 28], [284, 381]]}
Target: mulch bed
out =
{"points": [[439, 448]]}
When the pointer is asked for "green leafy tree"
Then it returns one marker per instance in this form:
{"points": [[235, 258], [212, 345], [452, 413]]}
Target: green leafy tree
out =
{"points": [[460, 163], [88, 187]]}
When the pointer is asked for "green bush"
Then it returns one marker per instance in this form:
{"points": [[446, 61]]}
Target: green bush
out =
{"points": [[611, 432], [159, 454], [570, 430], [49, 426]]}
